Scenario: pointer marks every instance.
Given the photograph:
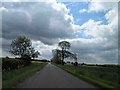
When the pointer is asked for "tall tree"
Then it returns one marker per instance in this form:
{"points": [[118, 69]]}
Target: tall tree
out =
{"points": [[60, 54], [64, 45], [56, 56], [22, 47]]}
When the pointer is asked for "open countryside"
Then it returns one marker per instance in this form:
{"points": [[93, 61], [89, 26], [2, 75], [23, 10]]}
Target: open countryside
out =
{"points": [[15, 71], [60, 45]]}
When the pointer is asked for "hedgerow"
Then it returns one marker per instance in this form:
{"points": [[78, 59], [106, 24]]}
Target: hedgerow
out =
{"points": [[11, 63]]}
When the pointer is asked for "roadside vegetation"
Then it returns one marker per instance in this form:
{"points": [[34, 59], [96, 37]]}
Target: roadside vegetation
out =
{"points": [[105, 76], [15, 70], [12, 77]]}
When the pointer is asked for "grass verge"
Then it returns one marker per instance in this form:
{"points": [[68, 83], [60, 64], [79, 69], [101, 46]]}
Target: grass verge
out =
{"points": [[84, 74], [11, 78]]}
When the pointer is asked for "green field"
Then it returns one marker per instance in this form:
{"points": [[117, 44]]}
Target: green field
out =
{"points": [[103, 76], [11, 78]]}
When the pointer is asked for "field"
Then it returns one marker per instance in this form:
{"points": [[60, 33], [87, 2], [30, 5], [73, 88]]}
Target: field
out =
{"points": [[11, 78], [105, 76]]}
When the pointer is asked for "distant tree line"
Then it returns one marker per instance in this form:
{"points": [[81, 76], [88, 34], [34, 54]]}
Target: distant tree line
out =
{"points": [[42, 60]]}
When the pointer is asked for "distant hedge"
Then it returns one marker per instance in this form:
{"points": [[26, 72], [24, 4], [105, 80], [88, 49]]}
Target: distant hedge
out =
{"points": [[11, 63]]}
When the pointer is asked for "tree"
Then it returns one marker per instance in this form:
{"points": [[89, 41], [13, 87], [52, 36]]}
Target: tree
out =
{"points": [[59, 55], [56, 56], [64, 45], [34, 54], [22, 47]]}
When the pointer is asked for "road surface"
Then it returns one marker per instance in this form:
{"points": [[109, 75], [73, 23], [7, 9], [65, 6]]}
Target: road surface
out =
{"points": [[53, 77]]}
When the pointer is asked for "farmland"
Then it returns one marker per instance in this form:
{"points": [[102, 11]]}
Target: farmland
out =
{"points": [[105, 76]]}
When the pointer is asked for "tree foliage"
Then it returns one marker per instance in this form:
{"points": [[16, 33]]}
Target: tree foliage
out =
{"points": [[59, 55], [64, 45], [22, 47], [56, 56]]}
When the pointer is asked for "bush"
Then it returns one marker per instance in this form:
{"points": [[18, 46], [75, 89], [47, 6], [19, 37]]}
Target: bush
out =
{"points": [[11, 64], [75, 64]]}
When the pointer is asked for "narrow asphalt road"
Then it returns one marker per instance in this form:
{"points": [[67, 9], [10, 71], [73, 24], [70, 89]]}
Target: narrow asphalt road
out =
{"points": [[53, 77]]}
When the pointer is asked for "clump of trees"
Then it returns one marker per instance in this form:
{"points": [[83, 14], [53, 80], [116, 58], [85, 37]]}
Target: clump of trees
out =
{"points": [[56, 56], [60, 54], [22, 47]]}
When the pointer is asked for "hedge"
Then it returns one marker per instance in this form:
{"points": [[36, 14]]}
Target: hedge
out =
{"points": [[11, 63]]}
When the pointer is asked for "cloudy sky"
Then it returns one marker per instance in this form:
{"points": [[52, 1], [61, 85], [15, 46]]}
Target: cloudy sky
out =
{"points": [[91, 27]]}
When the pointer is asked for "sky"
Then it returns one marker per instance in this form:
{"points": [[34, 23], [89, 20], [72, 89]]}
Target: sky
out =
{"points": [[91, 26]]}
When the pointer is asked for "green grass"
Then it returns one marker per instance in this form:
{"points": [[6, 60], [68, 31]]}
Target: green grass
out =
{"points": [[105, 77], [11, 78]]}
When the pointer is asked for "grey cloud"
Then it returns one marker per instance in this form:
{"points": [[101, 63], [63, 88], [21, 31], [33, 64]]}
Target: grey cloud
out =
{"points": [[94, 53], [34, 21], [38, 21]]}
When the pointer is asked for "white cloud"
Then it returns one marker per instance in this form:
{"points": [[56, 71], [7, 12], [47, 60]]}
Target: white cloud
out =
{"points": [[45, 50], [97, 29], [82, 10], [103, 47], [112, 15], [2, 9], [60, 7], [91, 28], [101, 6]]}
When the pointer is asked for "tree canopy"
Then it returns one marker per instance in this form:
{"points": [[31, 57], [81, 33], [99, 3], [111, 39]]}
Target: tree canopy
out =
{"points": [[64, 45], [22, 47], [59, 55]]}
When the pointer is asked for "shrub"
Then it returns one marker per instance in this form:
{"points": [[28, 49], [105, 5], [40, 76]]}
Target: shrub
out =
{"points": [[11, 64], [75, 64]]}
